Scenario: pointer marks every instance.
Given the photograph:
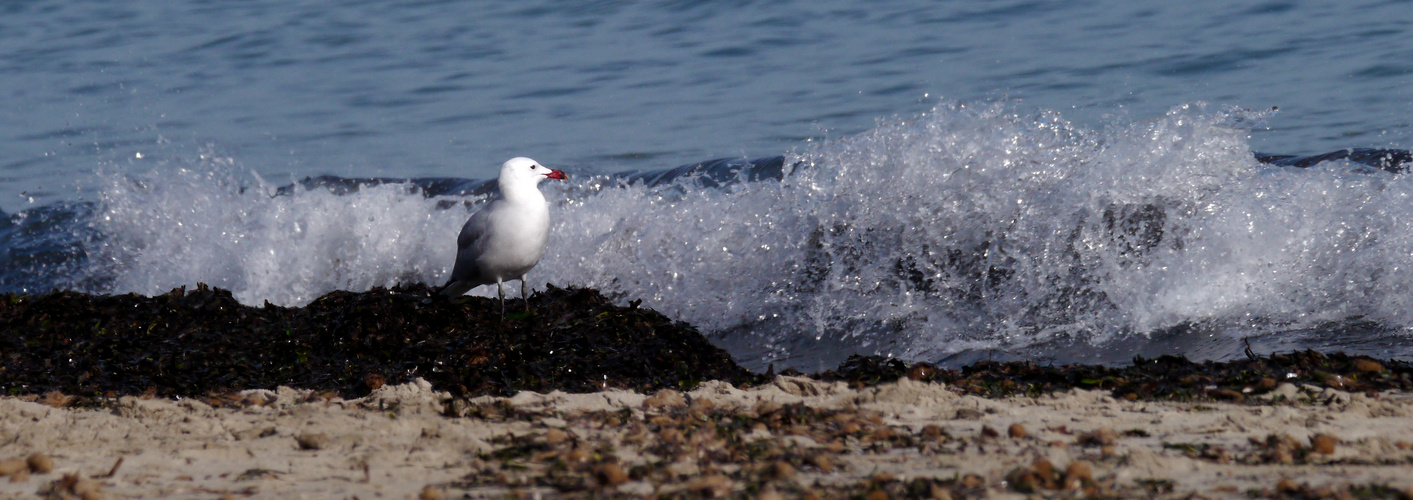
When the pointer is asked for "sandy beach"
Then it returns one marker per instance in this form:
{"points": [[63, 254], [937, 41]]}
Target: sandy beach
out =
{"points": [[793, 438]]}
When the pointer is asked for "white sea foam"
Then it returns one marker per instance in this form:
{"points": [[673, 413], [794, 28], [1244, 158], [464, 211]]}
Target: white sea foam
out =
{"points": [[180, 226], [968, 227]]}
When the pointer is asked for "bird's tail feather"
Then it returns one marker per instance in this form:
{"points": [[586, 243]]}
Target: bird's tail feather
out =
{"points": [[455, 288]]}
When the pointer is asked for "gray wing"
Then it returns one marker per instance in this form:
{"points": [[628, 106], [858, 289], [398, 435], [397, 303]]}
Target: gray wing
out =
{"points": [[475, 227], [464, 274]]}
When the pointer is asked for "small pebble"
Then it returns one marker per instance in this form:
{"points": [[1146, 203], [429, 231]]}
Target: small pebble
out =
{"points": [[87, 489], [1079, 469], [12, 465], [770, 494], [430, 492], [988, 432], [610, 474], [1323, 443], [940, 493], [1043, 467], [666, 398], [555, 436], [877, 495], [781, 470], [1282, 456], [1016, 431], [312, 441], [932, 431], [40, 463], [715, 485], [968, 414], [1100, 437], [970, 481], [576, 455]]}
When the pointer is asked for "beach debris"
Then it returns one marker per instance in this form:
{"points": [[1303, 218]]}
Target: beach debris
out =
{"points": [[1042, 475], [13, 465], [933, 431], [19, 469], [312, 440], [1077, 474], [780, 469], [609, 474], [1103, 436], [1367, 366], [1016, 431], [664, 398], [112, 471], [430, 492], [39, 463], [1323, 443], [1287, 488], [72, 486]]}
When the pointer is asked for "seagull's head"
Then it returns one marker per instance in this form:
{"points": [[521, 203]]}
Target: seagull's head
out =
{"points": [[525, 170]]}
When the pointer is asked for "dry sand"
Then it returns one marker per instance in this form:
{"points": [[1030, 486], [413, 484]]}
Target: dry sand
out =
{"points": [[718, 439]]}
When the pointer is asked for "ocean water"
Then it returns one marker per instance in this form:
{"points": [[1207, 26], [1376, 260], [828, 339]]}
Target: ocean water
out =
{"points": [[1061, 182]]}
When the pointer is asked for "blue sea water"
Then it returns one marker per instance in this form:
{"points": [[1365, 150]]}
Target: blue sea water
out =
{"points": [[1063, 181]]}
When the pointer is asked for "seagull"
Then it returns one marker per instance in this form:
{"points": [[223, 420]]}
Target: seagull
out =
{"points": [[506, 238]]}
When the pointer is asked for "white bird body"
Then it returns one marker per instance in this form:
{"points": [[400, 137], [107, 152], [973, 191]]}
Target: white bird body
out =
{"points": [[507, 237]]}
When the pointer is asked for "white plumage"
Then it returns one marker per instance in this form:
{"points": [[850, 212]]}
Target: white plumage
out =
{"points": [[506, 238]]}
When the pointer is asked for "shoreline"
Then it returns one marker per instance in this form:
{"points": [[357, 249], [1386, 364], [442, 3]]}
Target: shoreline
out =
{"points": [[403, 397], [790, 438]]}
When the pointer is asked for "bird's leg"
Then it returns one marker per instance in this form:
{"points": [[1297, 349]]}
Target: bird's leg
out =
{"points": [[500, 290], [524, 293]]}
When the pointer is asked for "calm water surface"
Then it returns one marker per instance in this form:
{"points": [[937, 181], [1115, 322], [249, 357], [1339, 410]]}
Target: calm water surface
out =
{"points": [[298, 88]]}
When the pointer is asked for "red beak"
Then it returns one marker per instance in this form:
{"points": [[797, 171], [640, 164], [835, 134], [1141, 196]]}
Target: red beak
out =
{"points": [[555, 174]]}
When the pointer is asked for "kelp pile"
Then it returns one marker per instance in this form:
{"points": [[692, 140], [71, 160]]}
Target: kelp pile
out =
{"points": [[194, 343], [1167, 377], [202, 341]]}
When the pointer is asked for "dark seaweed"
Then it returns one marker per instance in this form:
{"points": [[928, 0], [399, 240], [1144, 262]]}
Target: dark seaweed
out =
{"points": [[1167, 377], [192, 343], [202, 342]]}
